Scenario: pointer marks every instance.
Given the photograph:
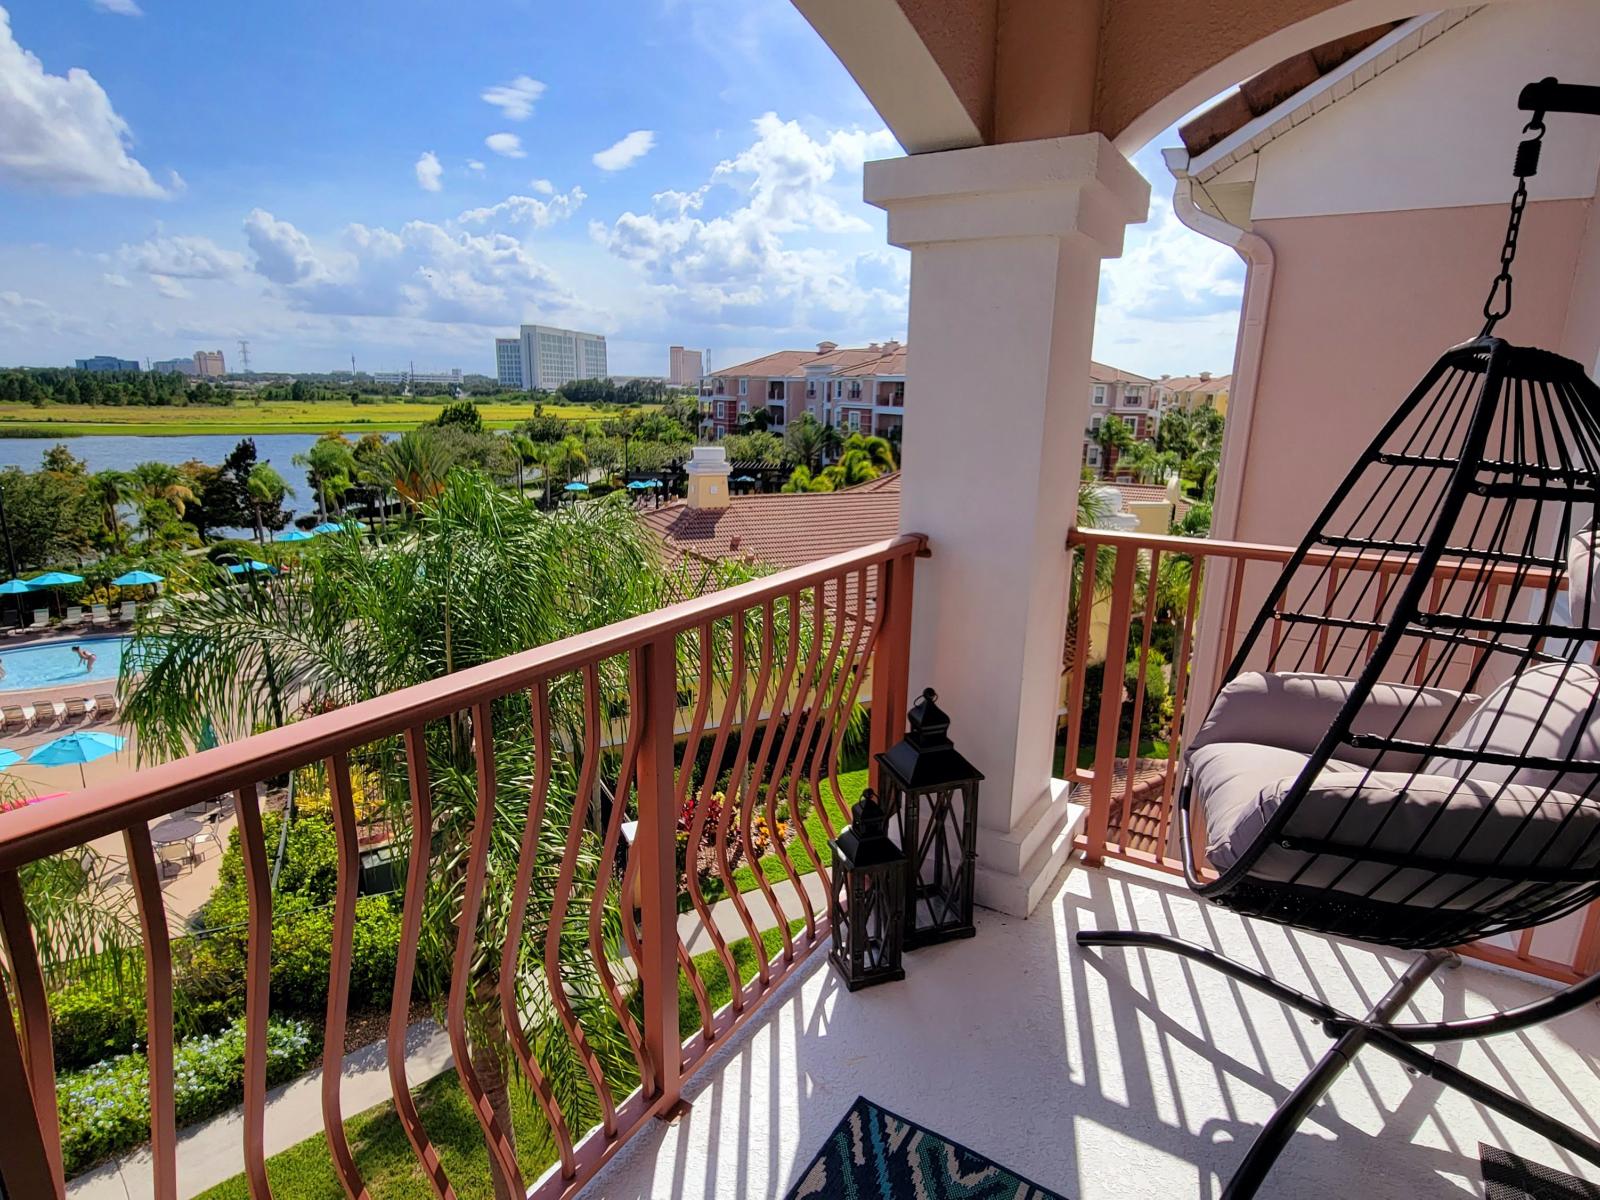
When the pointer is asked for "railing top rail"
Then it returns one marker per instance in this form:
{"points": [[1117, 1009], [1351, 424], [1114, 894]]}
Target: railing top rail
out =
{"points": [[1358, 560], [34, 831]]}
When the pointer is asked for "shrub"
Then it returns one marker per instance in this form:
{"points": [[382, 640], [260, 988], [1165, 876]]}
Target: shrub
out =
{"points": [[94, 1019], [106, 1108]]}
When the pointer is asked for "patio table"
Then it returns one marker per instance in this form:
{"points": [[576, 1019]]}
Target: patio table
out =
{"points": [[175, 829]]}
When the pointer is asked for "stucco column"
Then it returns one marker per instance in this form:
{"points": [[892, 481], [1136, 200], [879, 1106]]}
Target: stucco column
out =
{"points": [[1006, 243]]}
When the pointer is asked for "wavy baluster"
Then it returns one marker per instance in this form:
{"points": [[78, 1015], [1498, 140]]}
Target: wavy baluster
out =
{"points": [[862, 668], [819, 712], [563, 899], [257, 989], [791, 729], [824, 754], [158, 1009], [344, 926], [697, 823], [28, 981], [762, 767], [708, 786], [516, 925], [733, 801], [461, 975], [602, 883], [406, 963]]}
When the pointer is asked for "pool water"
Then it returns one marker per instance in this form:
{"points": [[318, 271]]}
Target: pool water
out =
{"points": [[53, 664]]}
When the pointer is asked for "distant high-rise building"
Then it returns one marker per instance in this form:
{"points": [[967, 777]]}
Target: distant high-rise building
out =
{"points": [[106, 363], [174, 366], [548, 357], [508, 362], [451, 378], [686, 368], [209, 363]]}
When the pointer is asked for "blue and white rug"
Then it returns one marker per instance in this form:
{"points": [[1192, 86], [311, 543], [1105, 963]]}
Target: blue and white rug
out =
{"points": [[873, 1154]]}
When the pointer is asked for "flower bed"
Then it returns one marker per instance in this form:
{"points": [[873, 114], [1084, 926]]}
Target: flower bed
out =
{"points": [[105, 1109]]}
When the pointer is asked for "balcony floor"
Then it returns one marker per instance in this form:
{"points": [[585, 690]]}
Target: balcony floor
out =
{"points": [[1127, 1075]]}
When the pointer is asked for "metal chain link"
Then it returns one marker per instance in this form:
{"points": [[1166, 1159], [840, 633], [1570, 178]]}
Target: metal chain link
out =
{"points": [[1527, 165]]}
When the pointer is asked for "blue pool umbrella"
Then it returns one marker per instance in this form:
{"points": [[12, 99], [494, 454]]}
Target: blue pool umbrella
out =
{"points": [[294, 535], [9, 758], [14, 587], [744, 479], [328, 527], [638, 485], [53, 579], [137, 578], [250, 567], [79, 748], [575, 486]]}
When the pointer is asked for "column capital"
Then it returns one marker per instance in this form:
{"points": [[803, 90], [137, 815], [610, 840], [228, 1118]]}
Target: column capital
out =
{"points": [[1054, 187]]}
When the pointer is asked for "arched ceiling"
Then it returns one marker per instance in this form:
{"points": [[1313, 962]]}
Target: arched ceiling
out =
{"points": [[951, 73]]}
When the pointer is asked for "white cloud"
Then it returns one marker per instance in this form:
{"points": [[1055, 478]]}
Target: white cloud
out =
{"points": [[59, 132], [183, 257], [1169, 272], [113, 279], [543, 186], [170, 288], [429, 172], [772, 258], [474, 164], [627, 151], [123, 8], [515, 99], [507, 144], [422, 271], [517, 210]]}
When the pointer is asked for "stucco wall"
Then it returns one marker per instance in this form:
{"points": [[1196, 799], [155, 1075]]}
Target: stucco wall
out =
{"points": [[1361, 306]]}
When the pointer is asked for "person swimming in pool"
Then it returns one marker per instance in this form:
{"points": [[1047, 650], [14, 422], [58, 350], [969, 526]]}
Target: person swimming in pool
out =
{"points": [[86, 657]]}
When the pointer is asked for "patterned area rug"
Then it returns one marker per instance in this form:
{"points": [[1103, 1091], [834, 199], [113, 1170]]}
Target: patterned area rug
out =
{"points": [[1510, 1177], [875, 1155]]}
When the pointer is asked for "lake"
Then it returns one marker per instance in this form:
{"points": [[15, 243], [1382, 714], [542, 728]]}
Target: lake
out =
{"points": [[123, 452]]}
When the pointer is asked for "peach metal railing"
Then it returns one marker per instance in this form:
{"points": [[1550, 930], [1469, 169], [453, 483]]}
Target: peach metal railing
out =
{"points": [[1132, 799], [784, 656]]}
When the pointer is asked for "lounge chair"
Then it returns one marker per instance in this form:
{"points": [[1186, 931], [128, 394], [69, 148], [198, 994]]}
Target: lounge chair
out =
{"points": [[102, 614], [74, 615], [105, 706], [75, 709], [41, 619], [128, 612], [15, 718], [47, 714]]}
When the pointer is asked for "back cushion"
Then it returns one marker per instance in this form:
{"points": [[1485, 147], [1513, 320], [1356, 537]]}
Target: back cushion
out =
{"points": [[1293, 709], [1548, 711]]}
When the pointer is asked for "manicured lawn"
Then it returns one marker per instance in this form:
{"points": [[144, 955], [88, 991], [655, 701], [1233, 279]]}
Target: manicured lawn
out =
{"points": [[1148, 748], [852, 784], [273, 416], [304, 1172]]}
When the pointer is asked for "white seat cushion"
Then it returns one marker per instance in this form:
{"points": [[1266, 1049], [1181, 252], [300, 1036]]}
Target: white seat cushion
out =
{"points": [[1548, 711]]}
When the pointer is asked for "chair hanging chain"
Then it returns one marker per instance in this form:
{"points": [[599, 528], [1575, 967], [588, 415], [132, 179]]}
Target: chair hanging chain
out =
{"points": [[1498, 303]]}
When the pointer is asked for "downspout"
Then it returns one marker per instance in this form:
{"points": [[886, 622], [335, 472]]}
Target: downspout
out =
{"points": [[1260, 264]]}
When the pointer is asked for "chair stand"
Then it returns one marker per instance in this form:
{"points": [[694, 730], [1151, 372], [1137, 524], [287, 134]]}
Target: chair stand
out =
{"points": [[1351, 1034]]}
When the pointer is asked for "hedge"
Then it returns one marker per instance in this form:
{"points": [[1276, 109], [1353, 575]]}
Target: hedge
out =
{"points": [[106, 1108]]}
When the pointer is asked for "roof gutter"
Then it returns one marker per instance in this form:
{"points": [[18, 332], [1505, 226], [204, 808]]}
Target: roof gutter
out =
{"points": [[1260, 264]]}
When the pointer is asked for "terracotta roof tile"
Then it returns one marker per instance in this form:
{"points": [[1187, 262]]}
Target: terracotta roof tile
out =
{"points": [[1100, 373], [780, 530], [1193, 383], [792, 364]]}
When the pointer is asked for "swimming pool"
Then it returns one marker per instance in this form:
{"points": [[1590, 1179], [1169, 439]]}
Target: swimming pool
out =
{"points": [[53, 664]]}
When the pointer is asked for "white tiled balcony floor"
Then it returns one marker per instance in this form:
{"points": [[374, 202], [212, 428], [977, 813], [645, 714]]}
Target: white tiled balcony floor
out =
{"points": [[1122, 1074]]}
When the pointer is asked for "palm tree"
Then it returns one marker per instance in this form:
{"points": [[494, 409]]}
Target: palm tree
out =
{"points": [[1112, 434], [568, 459], [414, 467], [802, 480], [485, 575], [266, 489], [109, 490], [164, 482], [804, 440], [877, 449], [1148, 464]]}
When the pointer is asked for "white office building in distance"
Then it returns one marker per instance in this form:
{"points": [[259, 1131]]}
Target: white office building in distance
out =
{"points": [[547, 357]]}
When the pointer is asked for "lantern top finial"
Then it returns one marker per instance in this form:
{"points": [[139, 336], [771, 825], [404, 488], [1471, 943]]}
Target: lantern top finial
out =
{"points": [[866, 842], [930, 726], [867, 817]]}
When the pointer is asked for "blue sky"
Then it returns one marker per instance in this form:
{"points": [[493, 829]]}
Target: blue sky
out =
{"points": [[404, 181]]}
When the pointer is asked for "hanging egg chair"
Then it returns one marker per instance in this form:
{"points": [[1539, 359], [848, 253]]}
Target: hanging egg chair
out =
{"points": [[1406, 748]]}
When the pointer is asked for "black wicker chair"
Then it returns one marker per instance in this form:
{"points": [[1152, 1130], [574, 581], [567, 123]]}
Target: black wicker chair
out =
{"points": [[1434, 781]]}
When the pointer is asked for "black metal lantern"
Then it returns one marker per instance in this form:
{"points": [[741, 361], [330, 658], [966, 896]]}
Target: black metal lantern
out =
{"points": [[869, 899], [931, 796]]}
